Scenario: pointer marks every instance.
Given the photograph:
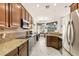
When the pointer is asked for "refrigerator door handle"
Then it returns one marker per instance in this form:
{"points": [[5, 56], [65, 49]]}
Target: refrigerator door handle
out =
{"points": [[73, 35], [67, 36]]}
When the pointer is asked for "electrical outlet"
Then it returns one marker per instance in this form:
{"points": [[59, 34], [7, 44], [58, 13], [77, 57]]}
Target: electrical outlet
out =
{"points": [[3, 36]]}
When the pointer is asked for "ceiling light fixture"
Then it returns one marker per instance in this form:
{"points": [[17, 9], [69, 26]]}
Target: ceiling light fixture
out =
{"points": [[47, 6], [65, 6], [55, 4], [37, 5]]}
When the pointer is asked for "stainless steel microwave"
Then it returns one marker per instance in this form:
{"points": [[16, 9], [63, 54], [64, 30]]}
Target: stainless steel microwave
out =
{"points": [[24, 24]]}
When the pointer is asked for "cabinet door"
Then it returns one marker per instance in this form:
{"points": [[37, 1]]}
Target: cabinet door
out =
{"points": [[7, 16], [23, 49], [52, 41], [15, 14], [78, 5], [27, 16], [30, 21], [2, 14], [74, 6], [23, 13], [13, 53]]}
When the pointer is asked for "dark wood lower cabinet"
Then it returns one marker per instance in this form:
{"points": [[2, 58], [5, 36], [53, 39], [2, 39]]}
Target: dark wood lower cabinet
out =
{"points": [[23, 50], [19, 51], [13, 53], [54, 41]]}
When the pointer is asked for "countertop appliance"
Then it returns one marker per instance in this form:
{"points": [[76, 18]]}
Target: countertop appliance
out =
{"points": [[71, 37]]}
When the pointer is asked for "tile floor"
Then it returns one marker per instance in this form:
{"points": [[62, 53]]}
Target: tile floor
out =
{"points": [[40, 49]]}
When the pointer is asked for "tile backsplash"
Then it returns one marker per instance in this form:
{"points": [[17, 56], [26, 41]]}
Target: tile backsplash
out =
{"points": [[6, 37]]}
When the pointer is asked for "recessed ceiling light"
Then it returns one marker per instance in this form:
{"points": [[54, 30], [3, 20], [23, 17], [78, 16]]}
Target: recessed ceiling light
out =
{"points": [[65, 6], [37, 5], [55, 4], [47, 6]]}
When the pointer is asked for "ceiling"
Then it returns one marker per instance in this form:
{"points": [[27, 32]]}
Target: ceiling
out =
{"points": [[38, 10]]}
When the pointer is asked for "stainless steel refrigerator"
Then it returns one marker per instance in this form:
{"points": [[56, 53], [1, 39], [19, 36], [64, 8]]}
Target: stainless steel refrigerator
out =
{"points": [[75, 33], [71, 40]]}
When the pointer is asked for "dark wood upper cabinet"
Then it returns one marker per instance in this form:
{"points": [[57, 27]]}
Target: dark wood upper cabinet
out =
{"points": [[15, 15], [73, 7], [2, 14], [11, 15], [23, 13], [30, 21], [27, 16], [78, 5], [6, 15]]}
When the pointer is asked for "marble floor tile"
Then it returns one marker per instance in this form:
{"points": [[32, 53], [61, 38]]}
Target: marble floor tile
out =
{"points": [[40, 49]]}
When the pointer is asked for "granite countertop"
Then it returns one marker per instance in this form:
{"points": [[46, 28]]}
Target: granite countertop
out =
{"points": [[12, 31], [53, 34], [8, 46]]}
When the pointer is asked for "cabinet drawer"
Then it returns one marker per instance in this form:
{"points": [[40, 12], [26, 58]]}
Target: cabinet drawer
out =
{"points": [[23, 45], [13, 53]]}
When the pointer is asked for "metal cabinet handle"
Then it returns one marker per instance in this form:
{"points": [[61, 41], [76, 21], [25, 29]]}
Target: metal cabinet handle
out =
{"points": [[73, 37], [68, 40]]}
